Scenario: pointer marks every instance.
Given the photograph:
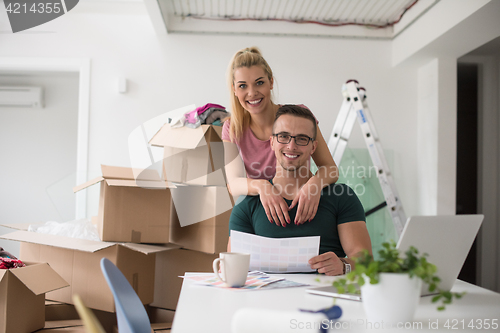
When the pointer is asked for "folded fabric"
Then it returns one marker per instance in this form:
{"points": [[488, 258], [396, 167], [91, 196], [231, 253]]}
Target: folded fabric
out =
{"points": [[193, 116], [7, 263], [212, 115], [5, 254]]}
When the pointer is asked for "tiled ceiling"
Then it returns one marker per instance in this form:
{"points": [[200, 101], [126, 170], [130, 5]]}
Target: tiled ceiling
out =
{"points": [[328, 18]]}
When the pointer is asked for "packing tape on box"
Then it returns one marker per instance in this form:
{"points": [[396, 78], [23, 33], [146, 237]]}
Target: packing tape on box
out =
{"points": [[251, 320]]}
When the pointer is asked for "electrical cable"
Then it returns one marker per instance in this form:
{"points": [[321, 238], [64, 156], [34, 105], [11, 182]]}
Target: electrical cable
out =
{"points": [[302, 21]]}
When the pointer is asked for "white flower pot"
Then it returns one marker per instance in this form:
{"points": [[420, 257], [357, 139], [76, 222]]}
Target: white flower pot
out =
{"points": [[393, 300]]}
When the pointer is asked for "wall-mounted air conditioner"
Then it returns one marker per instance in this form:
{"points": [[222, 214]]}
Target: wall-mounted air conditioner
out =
{"points": [[14, 96]]}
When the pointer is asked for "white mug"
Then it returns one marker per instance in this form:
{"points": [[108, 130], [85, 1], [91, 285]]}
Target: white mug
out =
{"points": [[234, 268]]}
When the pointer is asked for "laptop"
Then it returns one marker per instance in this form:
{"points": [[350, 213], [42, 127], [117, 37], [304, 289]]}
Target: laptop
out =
{"points": [[446, 239]]}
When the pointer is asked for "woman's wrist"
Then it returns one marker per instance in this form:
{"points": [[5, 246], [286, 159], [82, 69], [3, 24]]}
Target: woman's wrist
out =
{"points": [[317, 181], [261, 185]]}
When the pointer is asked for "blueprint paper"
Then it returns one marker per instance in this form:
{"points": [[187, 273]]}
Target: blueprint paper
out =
{"points": [[276, 255]]}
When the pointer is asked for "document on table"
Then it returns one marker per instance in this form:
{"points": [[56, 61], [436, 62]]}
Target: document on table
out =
{"points": [[276, 255]]}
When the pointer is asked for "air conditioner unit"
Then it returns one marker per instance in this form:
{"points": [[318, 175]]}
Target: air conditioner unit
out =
{"points": [[15, 96]]}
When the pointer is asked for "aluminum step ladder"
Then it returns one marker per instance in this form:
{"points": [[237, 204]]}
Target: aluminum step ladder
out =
{"points": [[354, 106]]}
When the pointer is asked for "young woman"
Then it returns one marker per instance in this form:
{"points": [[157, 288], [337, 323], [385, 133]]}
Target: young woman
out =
{"points": [[247, 147]]}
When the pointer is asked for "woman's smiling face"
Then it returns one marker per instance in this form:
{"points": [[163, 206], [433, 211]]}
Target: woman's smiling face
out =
{"points": [[253, 88]]}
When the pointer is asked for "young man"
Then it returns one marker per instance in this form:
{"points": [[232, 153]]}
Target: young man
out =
{"points": [[340, 218]]}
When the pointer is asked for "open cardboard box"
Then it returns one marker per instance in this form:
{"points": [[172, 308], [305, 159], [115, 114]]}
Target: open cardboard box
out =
{"points": [[134, 205], [78, 262], [192, 155], [200, 218], [22, 296]]}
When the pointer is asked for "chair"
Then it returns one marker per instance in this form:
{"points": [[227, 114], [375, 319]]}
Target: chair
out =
{"points": [[90, 322], [131, 315]]}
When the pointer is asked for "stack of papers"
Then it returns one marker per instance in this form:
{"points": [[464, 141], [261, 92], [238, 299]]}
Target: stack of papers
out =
{"points": [[255, 280]]}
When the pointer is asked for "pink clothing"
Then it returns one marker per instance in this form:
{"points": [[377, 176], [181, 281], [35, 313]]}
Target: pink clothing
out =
{"points": [[259, 159], [190, 117]]}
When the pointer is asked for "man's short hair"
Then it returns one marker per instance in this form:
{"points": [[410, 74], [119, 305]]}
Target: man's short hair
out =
{"points": [[296, 111]]}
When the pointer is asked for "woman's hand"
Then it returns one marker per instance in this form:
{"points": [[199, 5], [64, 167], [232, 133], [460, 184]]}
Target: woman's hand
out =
{"points": [[274, 204], [308, 200]]}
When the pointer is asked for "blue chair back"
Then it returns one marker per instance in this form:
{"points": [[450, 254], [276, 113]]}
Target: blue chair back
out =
{"points": [[131, 315]]}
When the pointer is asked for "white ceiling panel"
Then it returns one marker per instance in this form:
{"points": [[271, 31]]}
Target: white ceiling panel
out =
{"points": [[327, 18]]}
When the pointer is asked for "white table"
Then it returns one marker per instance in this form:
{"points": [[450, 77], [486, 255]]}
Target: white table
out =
{"points": [[209, 309]]}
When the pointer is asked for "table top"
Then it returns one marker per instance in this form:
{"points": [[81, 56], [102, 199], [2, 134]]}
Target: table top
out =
{"points": [[210, 309]]}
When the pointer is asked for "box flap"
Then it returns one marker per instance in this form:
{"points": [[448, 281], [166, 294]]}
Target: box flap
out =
{"points": [[52, 324], [87, 184], [115, 172], [17, 226], [184, 137], [57, 241], [218, 130], [140, 183], [81, 244], [124, 173], [147, 249], [39, 278], [2, 273]]}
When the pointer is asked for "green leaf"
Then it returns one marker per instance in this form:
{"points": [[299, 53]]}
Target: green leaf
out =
{"points": [[351, 288], [361, 281], [436, 298], [441, 308]]}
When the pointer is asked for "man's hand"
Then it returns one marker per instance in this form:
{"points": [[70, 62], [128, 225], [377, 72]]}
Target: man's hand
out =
{"points": [[327, 263]]}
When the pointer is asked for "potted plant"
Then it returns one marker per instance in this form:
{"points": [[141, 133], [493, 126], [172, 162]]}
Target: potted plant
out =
{"points": [[390, 286]]}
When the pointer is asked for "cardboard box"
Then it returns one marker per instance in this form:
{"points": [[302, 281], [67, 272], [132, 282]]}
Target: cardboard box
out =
{"points": [[73, 326], [159, 315], [200, 219], [57, 312], [22, 296], [192, 155], [172, 264], [78, 262], [134, 205]]}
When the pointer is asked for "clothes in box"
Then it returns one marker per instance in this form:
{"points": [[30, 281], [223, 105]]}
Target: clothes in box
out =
{"points": [[192, 156]]}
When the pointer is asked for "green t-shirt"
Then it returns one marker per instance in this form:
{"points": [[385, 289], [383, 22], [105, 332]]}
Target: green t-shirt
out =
{"points": [[338, 204]]}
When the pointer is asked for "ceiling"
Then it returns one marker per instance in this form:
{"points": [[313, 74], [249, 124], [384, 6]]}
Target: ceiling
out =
{"points": [[372, 19]]}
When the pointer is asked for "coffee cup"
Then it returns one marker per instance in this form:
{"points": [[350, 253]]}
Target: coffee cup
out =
{"points": [[234, 268]]}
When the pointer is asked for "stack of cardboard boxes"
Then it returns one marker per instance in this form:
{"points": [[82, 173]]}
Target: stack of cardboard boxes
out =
{"points": [[152, 230]]}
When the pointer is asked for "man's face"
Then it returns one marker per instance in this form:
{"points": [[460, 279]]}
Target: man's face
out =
{"points": [[292, 156]]}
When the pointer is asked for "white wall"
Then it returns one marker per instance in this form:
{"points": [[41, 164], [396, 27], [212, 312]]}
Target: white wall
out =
{"points": [[38, 151]]}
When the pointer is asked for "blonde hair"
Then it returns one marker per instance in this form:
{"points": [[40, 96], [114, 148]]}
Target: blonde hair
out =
{"points": [[247, 57]]}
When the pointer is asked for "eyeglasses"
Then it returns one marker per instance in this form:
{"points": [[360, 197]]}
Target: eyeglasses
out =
{"points": [[300, 140]]}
